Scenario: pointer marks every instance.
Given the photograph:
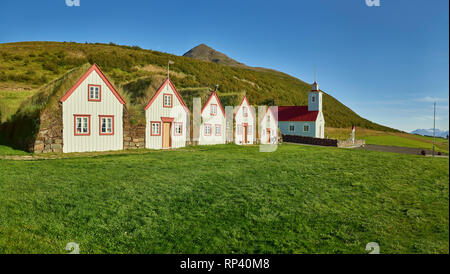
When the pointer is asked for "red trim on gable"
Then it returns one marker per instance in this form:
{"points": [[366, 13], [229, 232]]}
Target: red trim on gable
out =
{"points": [[249, 107], [177, 94], [85, 75], [75, 116], [100, 124], [167, 119], [273, 114], [99, 93], [218, 101]]}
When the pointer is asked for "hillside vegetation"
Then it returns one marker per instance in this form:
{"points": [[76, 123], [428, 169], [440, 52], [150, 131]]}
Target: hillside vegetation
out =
{"points": [[33, 64]]}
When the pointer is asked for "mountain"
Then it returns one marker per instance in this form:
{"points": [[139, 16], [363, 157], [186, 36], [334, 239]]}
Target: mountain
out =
{"points": [[137, 73], [429, 132], [205, 53]]}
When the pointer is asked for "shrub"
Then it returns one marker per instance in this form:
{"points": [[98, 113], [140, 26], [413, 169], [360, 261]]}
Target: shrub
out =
{"points": [[423, 152]]}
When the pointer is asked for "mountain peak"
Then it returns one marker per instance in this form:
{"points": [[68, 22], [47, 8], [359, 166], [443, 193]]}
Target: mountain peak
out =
{"points": [[206, 53]]}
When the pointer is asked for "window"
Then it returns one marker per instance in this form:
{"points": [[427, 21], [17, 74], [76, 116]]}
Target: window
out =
{"points": [[218, 130], [178, 129], [239, 130], [213, 109], [244, 111], [94, 93], [268, 118], [306, 128], [313, 98], [167, 100], [106, 125], [155, 128], [82, 124], [249, 130], [291, 128], [207, 130]]}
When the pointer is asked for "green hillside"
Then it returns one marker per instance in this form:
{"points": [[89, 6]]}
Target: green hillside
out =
{"points": [[138, 72]]}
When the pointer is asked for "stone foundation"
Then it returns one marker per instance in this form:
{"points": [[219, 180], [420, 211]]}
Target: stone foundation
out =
{"points": [[133, 135], [49, 137], [349, 143]]}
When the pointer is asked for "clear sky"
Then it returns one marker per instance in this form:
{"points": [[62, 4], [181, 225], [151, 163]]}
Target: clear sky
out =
{"points": [[387, 63]]}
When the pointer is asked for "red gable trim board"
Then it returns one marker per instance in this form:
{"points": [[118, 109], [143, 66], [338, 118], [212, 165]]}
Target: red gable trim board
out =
{"points": [[296, 113], [217, 98], [249, 106], [85, 75], [180, 99]]}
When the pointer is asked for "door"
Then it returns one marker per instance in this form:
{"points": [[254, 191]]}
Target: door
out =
{"points": [[245, 134], [167, 139], [268, 135]]}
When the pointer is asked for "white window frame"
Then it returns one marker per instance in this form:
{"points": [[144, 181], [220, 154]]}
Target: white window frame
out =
{"points": [[293, 128], [207, 129], [167, 103], [306, 128], [244, 111], [178, 129], [218, 127]]}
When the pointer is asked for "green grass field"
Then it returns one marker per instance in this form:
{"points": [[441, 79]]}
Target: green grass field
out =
{"points": [[11, 100], [399, 139], [227, 199]]}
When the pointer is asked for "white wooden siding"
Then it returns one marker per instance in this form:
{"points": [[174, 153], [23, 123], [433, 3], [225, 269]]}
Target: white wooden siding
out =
{"points": [[77, 103], [156, 111], [241, 120], [272, 125], [213, 120]]}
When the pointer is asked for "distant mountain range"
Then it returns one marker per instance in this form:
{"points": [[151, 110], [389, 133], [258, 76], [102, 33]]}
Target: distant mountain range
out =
{"points": [[429, 132]]}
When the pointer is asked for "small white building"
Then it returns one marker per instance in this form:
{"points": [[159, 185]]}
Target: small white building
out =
{"points": [[167, 119], [304, 120], [92, 114], [269, 127], [245, 130], [213, 124]]}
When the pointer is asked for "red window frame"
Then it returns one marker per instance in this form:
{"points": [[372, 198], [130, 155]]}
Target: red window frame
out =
{"points": [[220, 130], [211, 113], [100, 124], [171, 100], [240, 129], [75, 116], [99, 93], [151, 128], [210, 130], [175, 126]]}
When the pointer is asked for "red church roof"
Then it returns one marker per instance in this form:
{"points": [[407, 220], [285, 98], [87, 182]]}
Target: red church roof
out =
{"points": [[296, 113]]}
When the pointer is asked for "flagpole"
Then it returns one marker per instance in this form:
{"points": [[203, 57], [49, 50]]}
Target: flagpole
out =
{"points": [[434, 127]]}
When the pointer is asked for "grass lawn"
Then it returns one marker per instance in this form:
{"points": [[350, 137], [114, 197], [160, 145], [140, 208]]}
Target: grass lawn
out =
{"points": [[227, 199], [11, 100], [398, 139], [6, 150]]}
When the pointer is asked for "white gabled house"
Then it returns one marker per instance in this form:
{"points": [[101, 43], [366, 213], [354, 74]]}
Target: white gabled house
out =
{"points": [[245, 130], [213, 124], [92, 114], [269, 126], [167, 119]]}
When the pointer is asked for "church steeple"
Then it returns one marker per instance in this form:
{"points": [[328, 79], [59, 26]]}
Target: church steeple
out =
{"points": [[315, 98]]}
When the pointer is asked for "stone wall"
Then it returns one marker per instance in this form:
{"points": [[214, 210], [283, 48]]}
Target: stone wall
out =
{"points": [[349, 143], [133, 135], [49, 136], [309, 140]]}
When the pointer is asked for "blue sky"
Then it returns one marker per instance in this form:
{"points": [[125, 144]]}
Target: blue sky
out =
{"points": [[387, 63]]}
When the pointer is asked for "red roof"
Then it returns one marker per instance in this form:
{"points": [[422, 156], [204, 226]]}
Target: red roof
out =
{"points": [[296, 113]]}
